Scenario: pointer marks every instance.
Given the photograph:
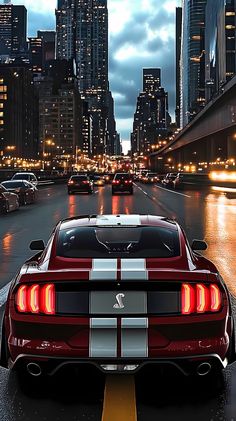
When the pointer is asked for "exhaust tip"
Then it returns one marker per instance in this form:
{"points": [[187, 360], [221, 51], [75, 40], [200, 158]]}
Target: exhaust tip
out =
{"points": [[34, 369], [203, 369]]}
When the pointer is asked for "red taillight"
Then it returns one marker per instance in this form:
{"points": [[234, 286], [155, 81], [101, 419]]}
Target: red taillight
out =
{"points": [[200, 298], [188, 299], [33, 299], [71, 182], [115, 182], [85, 182], [36, 299], [21, 299], [48, 299], [215, 298]]}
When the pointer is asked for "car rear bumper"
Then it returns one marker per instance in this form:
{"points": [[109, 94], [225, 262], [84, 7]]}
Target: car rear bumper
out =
{"points": [[50, 365]]}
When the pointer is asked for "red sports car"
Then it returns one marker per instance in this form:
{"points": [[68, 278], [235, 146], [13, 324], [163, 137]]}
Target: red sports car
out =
{"points": [[119, 292]]}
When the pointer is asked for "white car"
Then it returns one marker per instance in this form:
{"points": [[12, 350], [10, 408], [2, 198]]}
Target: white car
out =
{"points": [[28, 176]]}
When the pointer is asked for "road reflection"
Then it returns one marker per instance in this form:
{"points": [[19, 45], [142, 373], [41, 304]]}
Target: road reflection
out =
{"points": [[220, 218]]}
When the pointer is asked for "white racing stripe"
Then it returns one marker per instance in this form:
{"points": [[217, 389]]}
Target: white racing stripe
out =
{"points": [[113, 220], [134, 337], [103, 338], [4, 293], [103, 269], [134, 269]]}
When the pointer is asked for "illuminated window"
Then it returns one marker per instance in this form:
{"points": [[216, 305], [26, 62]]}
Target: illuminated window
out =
{"points": [[1, 81], [1, 113], [3, 88], [3, 96], [230, 14], [1, 105], [1, 122]]}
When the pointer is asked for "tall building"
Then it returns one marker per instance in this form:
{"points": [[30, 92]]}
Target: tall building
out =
{"points": [[150, 118], [177, 58], [65, 23], [18, 111], [48, 46], [151, 80], [13, 29], [35, 46], [220, 64], [91, 45], [192, 59]]}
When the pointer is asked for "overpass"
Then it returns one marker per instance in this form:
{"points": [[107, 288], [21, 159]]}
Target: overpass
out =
{"points": [[209, 137]]}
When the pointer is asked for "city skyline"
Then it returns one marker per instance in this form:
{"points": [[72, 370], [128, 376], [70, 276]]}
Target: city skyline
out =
{"points": [[150, 44]]}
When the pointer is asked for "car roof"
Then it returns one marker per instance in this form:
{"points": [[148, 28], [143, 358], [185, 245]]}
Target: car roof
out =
{"points": [[119, 221]]}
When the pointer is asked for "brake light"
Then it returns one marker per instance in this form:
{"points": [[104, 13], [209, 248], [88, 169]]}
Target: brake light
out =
{"points": [[85, 182], [115, 182], [48, 299], [33, 299], [21, 299], [200, 298], [128, 181], [188, 299], [215, 298], [36, 299], [71, 182]]}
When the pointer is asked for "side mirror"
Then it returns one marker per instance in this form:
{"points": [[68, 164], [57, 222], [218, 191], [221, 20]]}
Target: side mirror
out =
{"points": [[199, 245], [37, 245]]}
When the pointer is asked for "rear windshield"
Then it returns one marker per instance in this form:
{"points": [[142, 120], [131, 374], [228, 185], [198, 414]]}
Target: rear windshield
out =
{"points": [[21, 177], [122, 177], [13, 184], [133, 242], [79, 177]]}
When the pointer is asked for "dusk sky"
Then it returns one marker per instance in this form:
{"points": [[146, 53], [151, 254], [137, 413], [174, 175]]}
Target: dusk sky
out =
{"points": [[142, 34]]}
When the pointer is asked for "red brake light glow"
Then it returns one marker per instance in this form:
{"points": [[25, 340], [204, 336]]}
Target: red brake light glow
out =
{"points": [[188, 299], [215, 298], [33, 299], [36, 299], [21, 299], [200, 298], [48, 299]]}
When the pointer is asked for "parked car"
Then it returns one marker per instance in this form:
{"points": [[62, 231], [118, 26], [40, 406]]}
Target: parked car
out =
{"points": [[168, 180], [26, 191], [28, 176], [8, 201], [122, 183], [191, 180], [80, 183]]}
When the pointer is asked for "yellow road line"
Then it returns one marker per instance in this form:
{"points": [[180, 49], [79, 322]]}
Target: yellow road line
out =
{"points": [[119, 399]]}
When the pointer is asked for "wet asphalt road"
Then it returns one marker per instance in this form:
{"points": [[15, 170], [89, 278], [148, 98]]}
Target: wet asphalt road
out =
{"points": [[205, 215]]}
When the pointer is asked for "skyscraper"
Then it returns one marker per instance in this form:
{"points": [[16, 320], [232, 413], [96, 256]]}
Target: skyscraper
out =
{"points": [[91, 45], [192, 56], [65, 21], [151, 80], [220, 41], [13, 28], [177, 58]]}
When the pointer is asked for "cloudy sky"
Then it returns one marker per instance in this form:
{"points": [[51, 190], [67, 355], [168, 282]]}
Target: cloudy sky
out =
{"points": [[142, 34]]}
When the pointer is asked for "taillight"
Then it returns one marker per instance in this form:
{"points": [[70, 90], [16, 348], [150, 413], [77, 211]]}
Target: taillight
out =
{"points": [[85, 182], [71, 182], [188, 299], [215, 298], [33, 299], [36, 299], [21, 299], [200, 298], [48, 299]]}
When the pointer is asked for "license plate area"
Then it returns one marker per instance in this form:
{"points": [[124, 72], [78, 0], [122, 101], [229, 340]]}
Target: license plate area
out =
{"points": [[118, 303]]}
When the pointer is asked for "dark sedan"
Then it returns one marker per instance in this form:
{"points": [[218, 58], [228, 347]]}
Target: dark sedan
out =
{"points": [[8, 201], [80, 183], [26, 191]]}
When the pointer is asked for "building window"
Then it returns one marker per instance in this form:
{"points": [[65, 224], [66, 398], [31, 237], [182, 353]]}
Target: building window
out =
{"points": [[3, 88]]}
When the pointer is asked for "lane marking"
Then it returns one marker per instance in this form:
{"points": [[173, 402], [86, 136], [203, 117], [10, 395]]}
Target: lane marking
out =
{"points": [[119, 399], [171, 191], [4, 293]]}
